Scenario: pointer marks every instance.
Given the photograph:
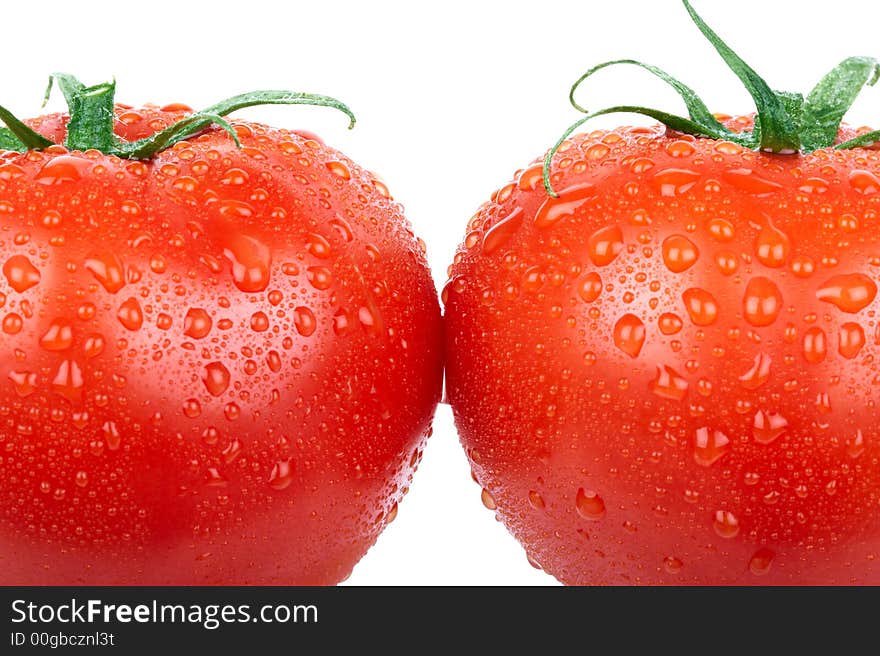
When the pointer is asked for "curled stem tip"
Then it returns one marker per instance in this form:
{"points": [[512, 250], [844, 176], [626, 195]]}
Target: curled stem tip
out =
{"points": [[91, 110], [785, 123]]}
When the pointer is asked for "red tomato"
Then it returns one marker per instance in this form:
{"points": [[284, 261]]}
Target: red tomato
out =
{"points": [[669, 373], [220, 363]]}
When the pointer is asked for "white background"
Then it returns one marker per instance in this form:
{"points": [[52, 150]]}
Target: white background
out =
{"points": [[451, 98]]}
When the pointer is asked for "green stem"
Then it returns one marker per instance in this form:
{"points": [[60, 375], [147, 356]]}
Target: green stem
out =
{"points": [[92, 116], [91, 113], [785, 123], [778, 129]]}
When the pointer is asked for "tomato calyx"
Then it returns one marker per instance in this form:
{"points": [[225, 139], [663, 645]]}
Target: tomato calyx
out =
{"points": [[785, 123], [91, 110]]}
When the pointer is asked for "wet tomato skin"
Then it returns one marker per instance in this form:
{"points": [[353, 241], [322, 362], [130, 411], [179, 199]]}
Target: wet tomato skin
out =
{"points": [[219, 365], [668, 375]]}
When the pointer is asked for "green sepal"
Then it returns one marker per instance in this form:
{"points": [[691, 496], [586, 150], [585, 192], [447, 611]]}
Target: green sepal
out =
{"points": [[832, 97], [861, 141], [27, 138], [195, 123], [9, 141], [785, 123], [186, 127]]}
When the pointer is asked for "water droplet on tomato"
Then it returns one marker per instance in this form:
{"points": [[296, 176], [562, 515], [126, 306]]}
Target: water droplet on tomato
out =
{"points": [[251, 260], [803, 266], [81, 478], [164, 321], [68, 380], [501, 232], [216, 378], [392, 513], [304, 321], [230, 208], [672, 564], [589, 505], [341, 322], [130, 314], [851, 339], [197, 323], [849, 292], [342, 227], [487, 499], [213, 478], [107, 269], [86, 311], [721, 229], [319, 277], [761, 560], [210, 436], [232, 451], [701, 306], [259, 322], [339, 169], [570, 200], [20, 273], [669, 323], [815, 346], [58, 336], [758, 374], [10, 171], [590, 287], [65, 168], [772, 246], [709, 446], [281, 475], [318, 246], [767, 426], [158, 264], [536, 501], [864, 182], [381, 188], [112, 436], [762, 302], [370, 319], [192, 408], [748, 181], [680, 148], [726, 262], [24, 382], [530, 178], [80, 419], [669, 384], [726, 524], [855, 446], [674, 182], [604, 245], [679, 253], [12, 323], [629, 335], [814, 186], [231, 411], [274, 361]]}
